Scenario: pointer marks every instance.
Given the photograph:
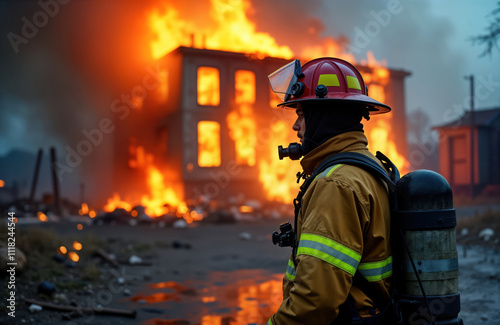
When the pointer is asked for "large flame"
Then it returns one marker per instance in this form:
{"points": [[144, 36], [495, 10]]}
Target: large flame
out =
{"points": [[233, 31]]}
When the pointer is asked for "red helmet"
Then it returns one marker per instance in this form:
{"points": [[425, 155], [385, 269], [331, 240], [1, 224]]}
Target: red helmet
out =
{"points": [[323, 79]]}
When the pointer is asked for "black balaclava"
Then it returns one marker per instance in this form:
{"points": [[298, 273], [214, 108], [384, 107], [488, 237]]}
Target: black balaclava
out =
{"points": [[326, 121]]}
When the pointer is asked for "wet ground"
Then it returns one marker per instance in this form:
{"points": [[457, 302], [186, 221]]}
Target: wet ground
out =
{"points": [[222, 274]]}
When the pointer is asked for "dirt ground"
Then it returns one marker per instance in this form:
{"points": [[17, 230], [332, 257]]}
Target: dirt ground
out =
{"points": [[213, 274]]}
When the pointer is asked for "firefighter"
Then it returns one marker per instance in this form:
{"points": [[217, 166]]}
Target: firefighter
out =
{"points": [[341, 264]]}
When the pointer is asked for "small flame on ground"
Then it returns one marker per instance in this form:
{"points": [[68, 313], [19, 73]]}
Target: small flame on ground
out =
{"points": [[73, 256], [79, 226], [116, 202], [2, 183], [62, 250], [246, 209], [77, 246], [84, 209], [42, 217]]}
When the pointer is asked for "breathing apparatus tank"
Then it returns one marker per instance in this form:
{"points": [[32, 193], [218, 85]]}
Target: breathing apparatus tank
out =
{"points": [[427, 286]]}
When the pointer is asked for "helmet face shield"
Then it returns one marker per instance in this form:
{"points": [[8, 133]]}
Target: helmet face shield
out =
{"points": [[283, 79]]}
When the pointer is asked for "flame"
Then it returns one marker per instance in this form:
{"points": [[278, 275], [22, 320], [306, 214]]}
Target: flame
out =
{"points": [[79, 226], [232, 31], [245, 209], [42, 217], [62, 250], [2, 183], [278, 176], [208, 86], [241, 121], [116, 202], [162, 198], [92, 214], [209, 154]]}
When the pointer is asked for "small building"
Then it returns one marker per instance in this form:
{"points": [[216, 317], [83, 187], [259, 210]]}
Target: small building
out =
{"points": [[459, 165]]}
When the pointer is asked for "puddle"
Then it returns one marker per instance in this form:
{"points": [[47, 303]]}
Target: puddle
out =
{"points": [[226, 298]]}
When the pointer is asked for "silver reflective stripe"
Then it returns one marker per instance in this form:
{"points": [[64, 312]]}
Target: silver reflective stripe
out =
{"points": [[329, 251], [290, 271], [427, 266], [376, 271]]}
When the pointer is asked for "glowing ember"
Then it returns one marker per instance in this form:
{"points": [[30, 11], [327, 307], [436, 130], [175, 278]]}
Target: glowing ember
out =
{"points": [[84, 209], [77, 246], [2, 183], [92, 214], [209, 154], [73, 256], [62, 250], [79, 226], [246, 209], [42, 217]]}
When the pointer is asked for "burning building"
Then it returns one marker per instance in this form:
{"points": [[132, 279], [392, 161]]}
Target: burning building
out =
{"points": [[210, 131]]}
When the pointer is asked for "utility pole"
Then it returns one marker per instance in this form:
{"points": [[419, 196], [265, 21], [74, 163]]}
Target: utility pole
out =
{"points": [[472, 142]]}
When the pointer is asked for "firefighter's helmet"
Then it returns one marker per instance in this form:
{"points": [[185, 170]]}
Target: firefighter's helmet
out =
{"points": [[323, 79]]}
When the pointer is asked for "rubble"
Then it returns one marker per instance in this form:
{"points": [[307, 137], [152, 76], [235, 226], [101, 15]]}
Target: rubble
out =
{"points": [[486, 234]]}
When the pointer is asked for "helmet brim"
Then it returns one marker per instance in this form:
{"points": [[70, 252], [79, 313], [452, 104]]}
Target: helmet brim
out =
{"points": [[373, 106]]}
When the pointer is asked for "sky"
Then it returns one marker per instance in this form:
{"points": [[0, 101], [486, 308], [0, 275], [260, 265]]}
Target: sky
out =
{"points": [[62, 78]]}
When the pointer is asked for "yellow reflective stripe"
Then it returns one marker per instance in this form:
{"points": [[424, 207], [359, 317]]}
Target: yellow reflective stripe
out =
{"points": [[332, 170], [353, 82], [327, 172], [290, 271], [328, 80], [376, 271], [329, 251]]}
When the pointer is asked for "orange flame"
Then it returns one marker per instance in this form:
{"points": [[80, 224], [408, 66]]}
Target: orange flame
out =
{"points": [[278, 176], [209, 154], [62, 250], [115, 202], [241, 121], [2, 183], [42, 217], [233, 31]]}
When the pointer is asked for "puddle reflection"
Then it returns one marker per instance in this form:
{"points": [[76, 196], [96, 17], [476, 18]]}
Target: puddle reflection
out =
{"points": [[226, 298]]}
